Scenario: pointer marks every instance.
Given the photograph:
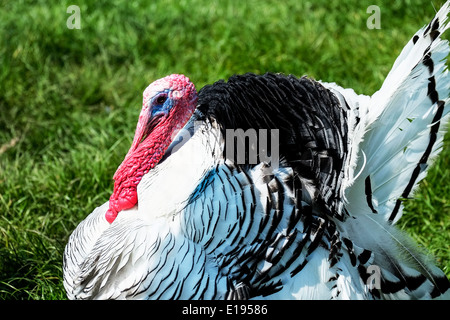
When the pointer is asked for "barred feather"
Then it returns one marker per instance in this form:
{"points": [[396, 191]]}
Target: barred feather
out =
{"points": [[404, 123]]}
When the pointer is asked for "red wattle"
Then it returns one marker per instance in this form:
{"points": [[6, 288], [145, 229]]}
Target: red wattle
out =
{"points": [[110, 215], [127, 199], [128, 176]]}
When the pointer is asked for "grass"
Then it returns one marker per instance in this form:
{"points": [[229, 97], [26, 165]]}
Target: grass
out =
{"points": [[69, 101]]}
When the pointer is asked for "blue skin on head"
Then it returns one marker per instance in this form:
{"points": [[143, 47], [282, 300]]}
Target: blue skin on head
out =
{"points": [[161, 103]]}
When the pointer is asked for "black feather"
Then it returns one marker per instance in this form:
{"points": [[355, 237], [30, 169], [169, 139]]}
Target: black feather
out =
{"points": [[312, 124]]}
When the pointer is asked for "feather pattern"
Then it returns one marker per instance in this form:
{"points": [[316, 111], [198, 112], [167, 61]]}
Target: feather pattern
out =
{"points": [[402, 123]]}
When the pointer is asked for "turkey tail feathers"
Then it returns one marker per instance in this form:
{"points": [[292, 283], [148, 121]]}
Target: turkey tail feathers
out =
{"points": [[394, 136], [403, 124]]}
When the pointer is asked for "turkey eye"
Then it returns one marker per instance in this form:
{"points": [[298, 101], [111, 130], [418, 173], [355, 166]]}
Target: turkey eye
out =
{"points": [[161, 99]]}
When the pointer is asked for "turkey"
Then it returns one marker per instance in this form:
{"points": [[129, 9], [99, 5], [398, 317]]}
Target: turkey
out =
{"points": [[271, 187]]}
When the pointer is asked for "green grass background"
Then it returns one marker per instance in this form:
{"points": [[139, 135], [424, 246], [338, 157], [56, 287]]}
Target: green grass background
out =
{"points": [[69, 100]]}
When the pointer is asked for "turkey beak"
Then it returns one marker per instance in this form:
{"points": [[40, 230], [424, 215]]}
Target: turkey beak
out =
{"points": [[141, 131], [144, 127]]}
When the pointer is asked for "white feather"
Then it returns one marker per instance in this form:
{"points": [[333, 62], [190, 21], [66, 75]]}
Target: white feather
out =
{"points": [[194, 152], [393, 132]]}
